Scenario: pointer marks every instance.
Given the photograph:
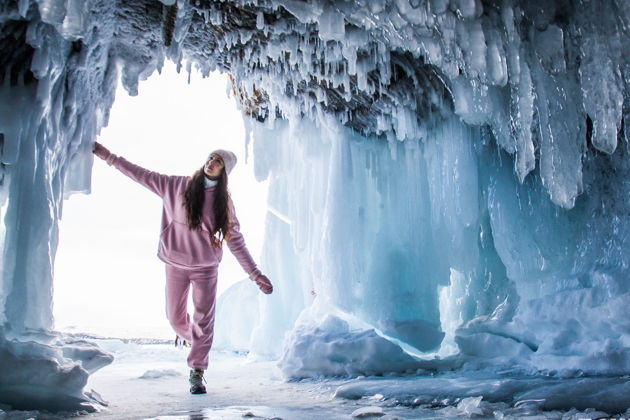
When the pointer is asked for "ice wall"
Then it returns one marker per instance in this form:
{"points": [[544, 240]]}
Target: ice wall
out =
{"points": [[55, 94], [442, 250], [446, 175]]}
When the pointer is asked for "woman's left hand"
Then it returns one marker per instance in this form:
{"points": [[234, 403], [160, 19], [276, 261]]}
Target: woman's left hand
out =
{"points": [[264, 284], [101, 151]]}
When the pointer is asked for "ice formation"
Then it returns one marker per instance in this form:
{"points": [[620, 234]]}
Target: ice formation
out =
{"points": [[446, 176]]}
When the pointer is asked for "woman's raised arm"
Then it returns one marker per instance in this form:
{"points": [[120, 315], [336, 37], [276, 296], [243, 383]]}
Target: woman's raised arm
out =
{"points": [[154, 181]]}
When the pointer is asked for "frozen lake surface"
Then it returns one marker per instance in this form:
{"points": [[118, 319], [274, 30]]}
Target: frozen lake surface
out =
{"points": [[149, 381]]}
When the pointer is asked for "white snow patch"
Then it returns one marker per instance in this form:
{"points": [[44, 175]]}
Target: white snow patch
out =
{"points": [[365, 412], [159, 373], [332, 348]]}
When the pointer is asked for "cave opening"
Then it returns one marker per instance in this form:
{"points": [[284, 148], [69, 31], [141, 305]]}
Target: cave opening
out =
{"points": [[108, 280]]}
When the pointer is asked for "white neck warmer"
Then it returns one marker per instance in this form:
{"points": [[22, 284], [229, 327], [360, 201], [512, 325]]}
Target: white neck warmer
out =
{"points": [[209, 183]]}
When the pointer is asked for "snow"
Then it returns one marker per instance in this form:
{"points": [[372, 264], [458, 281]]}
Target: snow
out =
{"points": [[332, 349], [159, 373], [239, 387], [368, 412], [447, 188]]}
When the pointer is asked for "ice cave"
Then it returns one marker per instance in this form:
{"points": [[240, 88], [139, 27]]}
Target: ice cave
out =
{"points": [[449, 182]]}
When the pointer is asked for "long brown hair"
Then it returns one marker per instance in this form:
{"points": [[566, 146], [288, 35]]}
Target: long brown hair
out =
{"points": [[194, 197]]}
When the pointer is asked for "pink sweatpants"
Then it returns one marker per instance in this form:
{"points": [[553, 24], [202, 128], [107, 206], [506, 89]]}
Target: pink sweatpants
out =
{"points": [[200, 331]]}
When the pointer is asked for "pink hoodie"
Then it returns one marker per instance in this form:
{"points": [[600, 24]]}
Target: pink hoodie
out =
{"points": [[180, 246]]}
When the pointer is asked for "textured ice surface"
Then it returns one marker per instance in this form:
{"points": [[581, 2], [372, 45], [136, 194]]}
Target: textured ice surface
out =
{"points": [[470, 393], [48, 371], [368, 412], [447, 248], [238, 386], [333, 349], [452, 174]]}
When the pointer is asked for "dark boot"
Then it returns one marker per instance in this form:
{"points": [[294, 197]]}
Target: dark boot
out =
{"points": [[196, 382]]}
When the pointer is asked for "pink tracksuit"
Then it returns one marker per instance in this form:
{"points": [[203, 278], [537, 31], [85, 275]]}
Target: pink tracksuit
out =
{"points": [[190, 257]]}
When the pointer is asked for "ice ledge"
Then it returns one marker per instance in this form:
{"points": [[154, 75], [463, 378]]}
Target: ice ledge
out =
{"points": [[46, 370]]}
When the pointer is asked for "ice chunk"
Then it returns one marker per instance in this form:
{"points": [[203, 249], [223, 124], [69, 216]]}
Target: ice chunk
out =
{"points": [[593, 414], [602, 91], [40, 374], [470, 406], [367, 412], [524, 97], [561, 143], [73, 25], [333, 349], [260, 20]]}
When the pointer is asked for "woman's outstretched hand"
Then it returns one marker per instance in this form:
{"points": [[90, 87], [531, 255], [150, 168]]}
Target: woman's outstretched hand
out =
{"points": [[264, 284], [100, 150]]}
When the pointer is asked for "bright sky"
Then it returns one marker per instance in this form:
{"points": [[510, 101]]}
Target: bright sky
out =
{"points": [[108, 279]]}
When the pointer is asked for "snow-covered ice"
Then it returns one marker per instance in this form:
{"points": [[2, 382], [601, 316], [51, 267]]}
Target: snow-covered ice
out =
{"points": [[370, 411], [239, 387]]}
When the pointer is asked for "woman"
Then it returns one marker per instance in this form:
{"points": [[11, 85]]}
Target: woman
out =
{"points": [[198, 215]]}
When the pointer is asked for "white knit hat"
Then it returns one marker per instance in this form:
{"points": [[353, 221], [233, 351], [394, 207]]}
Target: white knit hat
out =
{"points": [[229, 159]]}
